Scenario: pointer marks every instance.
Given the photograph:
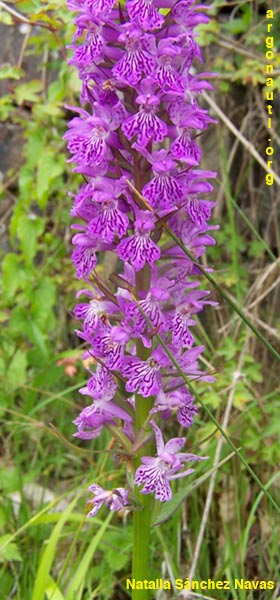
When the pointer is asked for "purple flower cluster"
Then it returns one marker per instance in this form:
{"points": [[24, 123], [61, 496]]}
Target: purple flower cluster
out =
{"points": [[139, 123]]}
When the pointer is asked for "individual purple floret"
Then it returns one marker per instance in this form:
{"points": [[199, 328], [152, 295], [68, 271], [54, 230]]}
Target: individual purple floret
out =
{"points": [[114, 500], [145, 124], [139, 248], [179, 400], [156, 473]]}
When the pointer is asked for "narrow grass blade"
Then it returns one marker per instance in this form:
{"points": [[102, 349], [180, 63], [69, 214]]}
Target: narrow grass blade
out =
{"points": [[253, 229], [43, 573], [251, 517], [75, 588], [53, 592]]}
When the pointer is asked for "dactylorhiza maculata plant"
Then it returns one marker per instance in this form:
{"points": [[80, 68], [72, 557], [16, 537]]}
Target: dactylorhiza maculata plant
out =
{"points": [[138, 125]]}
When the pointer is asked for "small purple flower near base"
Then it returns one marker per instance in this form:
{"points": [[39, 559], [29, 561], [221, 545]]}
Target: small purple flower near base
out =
{"points": [[115, 499], [156, 473]]}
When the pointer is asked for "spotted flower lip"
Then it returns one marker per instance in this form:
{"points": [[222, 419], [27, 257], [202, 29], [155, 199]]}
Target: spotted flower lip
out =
{"points": [[90, 137], [145, 124], [138, 57], [139, 248], [144, 12], [164, 190], [84, 259], [91, 313], [108, 222], [142, 376]]}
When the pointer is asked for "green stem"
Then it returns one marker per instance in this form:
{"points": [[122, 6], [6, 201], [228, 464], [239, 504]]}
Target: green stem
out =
{"points": [[141, 540], [143, 515]]}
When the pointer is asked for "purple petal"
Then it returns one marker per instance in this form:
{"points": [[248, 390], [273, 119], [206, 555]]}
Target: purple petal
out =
{"points": [[159, 438]]}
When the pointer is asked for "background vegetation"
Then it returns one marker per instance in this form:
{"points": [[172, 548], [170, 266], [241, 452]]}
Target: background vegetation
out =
{"points": [[226, 527]]}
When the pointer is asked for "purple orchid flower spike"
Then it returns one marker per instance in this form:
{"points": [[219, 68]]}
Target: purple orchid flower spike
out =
{"points": [[135, 144], [138, 128], [156, 473]]}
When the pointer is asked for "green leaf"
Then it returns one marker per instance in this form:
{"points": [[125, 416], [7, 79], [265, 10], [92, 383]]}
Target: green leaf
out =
{"points": [[10, 72], [6, 106], [29, 228], [5, 17], [16, 373], [42, 299], [3, 517], [56, 91], [44, 296], [53, 592], [25, 182], [9, 479], [14, 276], [50, 166], [47, 558], [8, 550], [50, 109], [272, 429], [28, 92], [22, 323], [117, 560], [235, 26], [37, 140], [30, 6]]}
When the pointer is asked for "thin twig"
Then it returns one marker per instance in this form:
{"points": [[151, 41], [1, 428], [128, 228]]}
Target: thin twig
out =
{"points": [[251, 149], [18, 16], [23, 47], [193, 595], [218, 208], [22, 19], [265, 293], [259, 282], [230, 45]]}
